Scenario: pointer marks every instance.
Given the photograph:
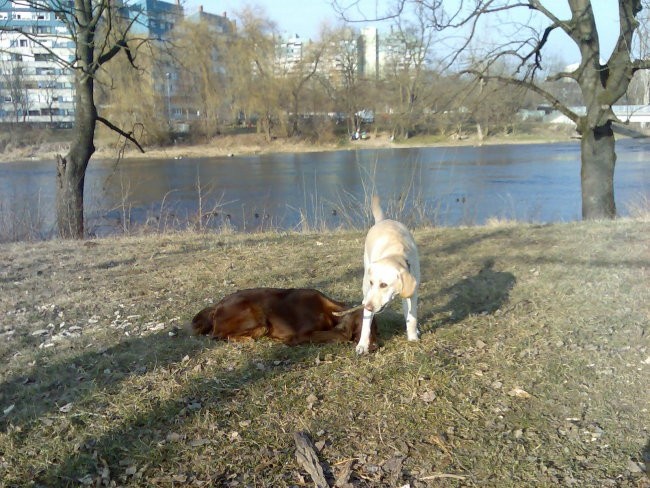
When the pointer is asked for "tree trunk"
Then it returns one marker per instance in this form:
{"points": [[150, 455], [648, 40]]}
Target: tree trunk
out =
{"points": [[597, 173], [69, 197], [71, 168]]}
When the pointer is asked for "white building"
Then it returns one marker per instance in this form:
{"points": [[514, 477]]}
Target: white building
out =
{"points": [[288, 54], [35, 85]]}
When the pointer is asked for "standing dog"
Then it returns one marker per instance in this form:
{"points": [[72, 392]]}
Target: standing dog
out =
{"points": [[391, 268], [292, 316]]}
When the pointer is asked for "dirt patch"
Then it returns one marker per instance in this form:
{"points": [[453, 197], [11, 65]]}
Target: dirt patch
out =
{"points": [[532, 369], [51, 143]]}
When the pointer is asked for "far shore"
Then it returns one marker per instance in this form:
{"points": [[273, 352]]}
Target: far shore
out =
{"points": [[253, 144]]}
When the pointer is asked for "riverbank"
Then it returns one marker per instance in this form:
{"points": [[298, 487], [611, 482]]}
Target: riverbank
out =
{"points": [[532, 369], [46, 147]]}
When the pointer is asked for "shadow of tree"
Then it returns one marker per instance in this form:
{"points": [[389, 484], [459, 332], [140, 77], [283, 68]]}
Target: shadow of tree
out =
{"points": [[645, 457], [483, 293], [143, 436], [49, 387], [65, 397]]}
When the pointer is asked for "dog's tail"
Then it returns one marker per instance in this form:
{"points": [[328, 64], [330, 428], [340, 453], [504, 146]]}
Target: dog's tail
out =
{"points": [[377, 212]]}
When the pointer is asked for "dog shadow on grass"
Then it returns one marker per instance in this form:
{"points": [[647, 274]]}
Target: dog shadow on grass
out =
{"points": [[483, 293]]}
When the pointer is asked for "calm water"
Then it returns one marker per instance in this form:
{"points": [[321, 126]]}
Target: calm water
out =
{"points": [[446, 186]]}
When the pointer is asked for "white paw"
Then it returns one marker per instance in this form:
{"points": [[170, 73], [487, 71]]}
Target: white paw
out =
{"points": [[362, 348], [413, 336]]}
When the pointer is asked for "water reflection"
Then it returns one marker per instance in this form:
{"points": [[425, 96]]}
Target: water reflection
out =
{"points": [[444, 186]]}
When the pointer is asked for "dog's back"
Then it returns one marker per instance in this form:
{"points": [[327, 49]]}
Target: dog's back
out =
{"points": [[292, 316], [387, 237]]}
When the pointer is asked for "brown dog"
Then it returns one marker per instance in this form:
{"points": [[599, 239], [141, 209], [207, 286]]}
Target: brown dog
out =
{"points": [[292, 316]]}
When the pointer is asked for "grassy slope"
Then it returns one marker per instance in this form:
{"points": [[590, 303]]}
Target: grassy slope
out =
{"points": [[532, 370]]}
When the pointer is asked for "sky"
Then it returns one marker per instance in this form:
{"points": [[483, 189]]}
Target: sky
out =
{"points": [[304, 17]]}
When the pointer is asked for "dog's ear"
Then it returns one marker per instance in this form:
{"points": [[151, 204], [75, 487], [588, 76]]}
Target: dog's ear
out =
{"points": [[408, 284]]}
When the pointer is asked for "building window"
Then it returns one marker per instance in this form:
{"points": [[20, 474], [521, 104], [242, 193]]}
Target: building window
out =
{"points": [[44, 57], [23, 43]]}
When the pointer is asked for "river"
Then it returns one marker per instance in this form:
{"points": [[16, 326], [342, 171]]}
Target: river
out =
{"points": [[446, 186]]}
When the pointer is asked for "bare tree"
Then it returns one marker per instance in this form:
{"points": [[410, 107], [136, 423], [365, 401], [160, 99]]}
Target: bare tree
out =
{"points": [[202, 72], [406, 70], [640, 84], [341, 74], [602, 83], [298, 78], [250, 63], [16, 86], [144, 110], [98, 36]]}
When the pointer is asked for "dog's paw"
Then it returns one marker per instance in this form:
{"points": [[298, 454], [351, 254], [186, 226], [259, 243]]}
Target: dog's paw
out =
{"points": [[413, 336], [362, 348]]}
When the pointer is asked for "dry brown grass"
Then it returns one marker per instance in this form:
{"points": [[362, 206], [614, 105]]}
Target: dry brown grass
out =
{"points": [[532, 369]]}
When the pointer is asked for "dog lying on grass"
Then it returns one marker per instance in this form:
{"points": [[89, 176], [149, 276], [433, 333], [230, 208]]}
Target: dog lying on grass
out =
{"points": [[292, 316]]}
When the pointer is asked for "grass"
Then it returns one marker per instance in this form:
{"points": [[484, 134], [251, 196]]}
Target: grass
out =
{"points": [[532, 369]]}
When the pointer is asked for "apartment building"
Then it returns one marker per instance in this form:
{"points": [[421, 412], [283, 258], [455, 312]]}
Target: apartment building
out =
{"points": [[35, 85], [288, 53], [154, 18]]}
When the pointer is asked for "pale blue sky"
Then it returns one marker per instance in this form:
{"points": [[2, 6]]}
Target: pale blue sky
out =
{"points": [[304, 17]]}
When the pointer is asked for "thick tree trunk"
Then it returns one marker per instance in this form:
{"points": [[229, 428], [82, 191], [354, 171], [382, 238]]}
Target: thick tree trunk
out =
{"points": [[69, 197], [71, 168], [597, 173]]}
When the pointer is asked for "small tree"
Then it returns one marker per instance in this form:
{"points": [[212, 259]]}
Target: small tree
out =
{"points": [[406, 73], [16, 86], [202, 72], [250, 65], [341, 75], [298, 77]]}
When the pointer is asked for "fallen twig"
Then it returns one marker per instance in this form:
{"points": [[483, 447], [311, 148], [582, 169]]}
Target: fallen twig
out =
{"points": [[308, 459], [436, 476]]}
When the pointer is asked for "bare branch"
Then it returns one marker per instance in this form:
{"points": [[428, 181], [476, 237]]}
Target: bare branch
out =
{"points": [[127, 135], [555, 102]]}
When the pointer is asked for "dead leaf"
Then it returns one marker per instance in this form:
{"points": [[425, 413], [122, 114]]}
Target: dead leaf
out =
{"points": [[66, 408], [519, 393], [428, 396], [198, 442], [86, 480], [311, 400]]}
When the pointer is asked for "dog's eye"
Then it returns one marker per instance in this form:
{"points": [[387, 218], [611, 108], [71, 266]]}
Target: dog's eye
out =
{"points": [[371, 283], [382, 285]]}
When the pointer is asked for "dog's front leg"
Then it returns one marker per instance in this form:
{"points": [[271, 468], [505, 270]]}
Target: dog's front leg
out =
{"points": [[410, 306], [364, 339]]}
